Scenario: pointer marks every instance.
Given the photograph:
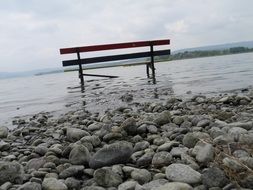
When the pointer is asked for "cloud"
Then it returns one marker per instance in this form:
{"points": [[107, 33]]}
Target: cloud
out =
{"points": [[33, 31]]}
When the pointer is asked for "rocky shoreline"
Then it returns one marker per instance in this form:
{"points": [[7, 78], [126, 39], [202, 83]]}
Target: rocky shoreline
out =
{"points": [[200, 143]]}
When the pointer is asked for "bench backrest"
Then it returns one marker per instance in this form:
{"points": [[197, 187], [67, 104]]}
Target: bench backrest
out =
{"points": [[150, 53]]}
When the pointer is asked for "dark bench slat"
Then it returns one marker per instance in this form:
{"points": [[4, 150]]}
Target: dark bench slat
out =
{"points": [[94, 75], [115, 57], [114, 46]]}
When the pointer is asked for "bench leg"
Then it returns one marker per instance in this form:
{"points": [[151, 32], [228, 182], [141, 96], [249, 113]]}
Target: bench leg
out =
{"points": [[147, 69], [153, 73], [81, 75], [80, 69], [152, 63]]}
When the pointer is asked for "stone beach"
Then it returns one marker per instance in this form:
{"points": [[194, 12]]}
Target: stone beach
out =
{"points": [[198, 143]]}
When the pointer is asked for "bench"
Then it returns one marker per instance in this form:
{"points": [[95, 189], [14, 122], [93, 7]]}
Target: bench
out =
{"points": [[128, 56]]}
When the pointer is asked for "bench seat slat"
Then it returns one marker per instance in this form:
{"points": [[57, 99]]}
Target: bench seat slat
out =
{"points": [[115, 57], [114, 46]]}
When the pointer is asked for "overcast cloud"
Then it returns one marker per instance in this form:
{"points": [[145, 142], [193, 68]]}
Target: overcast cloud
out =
{"points": [[32, 31]]}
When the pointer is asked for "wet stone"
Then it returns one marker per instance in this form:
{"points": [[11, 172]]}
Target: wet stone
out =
{"points": [[142, 176], [105, 177], [79, 155], [161, 159], [214, 177], [182, 173], [175, 186], [3, 132], [53, 184], [116, 153], [11, 171], [30, 186]]}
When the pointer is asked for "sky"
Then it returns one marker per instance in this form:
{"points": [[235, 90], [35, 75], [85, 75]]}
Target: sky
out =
{"points": [[32, 31]]}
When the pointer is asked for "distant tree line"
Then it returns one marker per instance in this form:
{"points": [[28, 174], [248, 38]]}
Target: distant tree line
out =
{"points": [[207, 53]]}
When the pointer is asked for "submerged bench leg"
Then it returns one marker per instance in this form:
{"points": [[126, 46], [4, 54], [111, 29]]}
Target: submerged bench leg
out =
{"points": [[153, 73], [147, 69], [80, 69], [152, 63]]}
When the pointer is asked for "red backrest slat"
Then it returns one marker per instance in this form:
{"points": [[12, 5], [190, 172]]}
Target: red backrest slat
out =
{"points": [[114, 46]]}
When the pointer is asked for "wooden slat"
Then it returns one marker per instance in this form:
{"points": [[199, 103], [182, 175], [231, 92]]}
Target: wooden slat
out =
{"points": [[114, 46], [94, 75], [115, 57]]}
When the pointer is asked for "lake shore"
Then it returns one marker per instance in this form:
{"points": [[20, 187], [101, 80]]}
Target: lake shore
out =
{"points": [[170, 143]]}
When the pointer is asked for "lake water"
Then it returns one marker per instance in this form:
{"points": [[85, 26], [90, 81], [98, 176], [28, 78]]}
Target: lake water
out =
{"points": [[57, 92]]}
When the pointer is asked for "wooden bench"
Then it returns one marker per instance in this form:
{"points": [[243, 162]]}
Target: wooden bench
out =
{"points": [[128, 56]]}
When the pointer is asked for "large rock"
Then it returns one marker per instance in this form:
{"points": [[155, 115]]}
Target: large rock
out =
{"points": [[116, 153], [79, 155], [3, 132], [105, 177], [174, 186], [11, 171], [163, 118], [75, 134], [182, 173], [53, 184], [214, 177], [30, 186]]}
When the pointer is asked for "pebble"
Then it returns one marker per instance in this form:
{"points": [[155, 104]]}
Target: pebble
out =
{"points": [[105, 177], [155, 184], [116, 153], [3, 132], [71, 171], [175, 186], [144, 146], [233, 164], [75, 134], [12, 172], [161, 159], [79, 155], [214, 177], [53, 184], [30, 186], [205, 153], [128, 185], [163, 118], [142, 176], [182, 173]]}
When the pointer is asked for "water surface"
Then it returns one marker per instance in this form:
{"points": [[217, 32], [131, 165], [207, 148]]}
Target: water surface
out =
{"points": [[57, 92]]}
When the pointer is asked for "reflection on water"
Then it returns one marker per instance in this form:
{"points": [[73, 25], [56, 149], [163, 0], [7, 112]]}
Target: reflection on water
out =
{"points": [[57, 92]]}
